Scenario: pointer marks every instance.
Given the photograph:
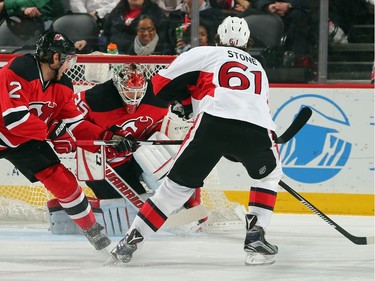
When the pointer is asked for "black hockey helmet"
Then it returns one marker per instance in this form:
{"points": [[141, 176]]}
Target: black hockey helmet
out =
{"points": [[51, 42]]}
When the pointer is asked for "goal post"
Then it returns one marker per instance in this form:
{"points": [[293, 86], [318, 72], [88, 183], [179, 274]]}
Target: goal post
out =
{"points": [[19, 199]]}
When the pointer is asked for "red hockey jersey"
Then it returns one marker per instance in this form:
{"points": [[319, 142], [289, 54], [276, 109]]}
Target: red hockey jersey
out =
{"points": [[221, 81], [28, 105], [103, 106]]}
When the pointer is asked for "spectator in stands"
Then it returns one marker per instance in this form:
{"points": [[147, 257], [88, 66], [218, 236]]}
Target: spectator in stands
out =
{"points": [[168, 5], [147, 41], [346, 13], [231, 6], [209, 16], [2, 10], [97, 8], [47, 10], [121, 25], [301, 23], [204, 36]]}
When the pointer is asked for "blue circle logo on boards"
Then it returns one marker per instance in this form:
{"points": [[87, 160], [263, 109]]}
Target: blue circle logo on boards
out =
{"points": [[317, 153]]}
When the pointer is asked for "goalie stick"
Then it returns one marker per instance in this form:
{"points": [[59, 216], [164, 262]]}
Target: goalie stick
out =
{"points": [[355, 239], [114, 142], [301, 119], [183, 217]]}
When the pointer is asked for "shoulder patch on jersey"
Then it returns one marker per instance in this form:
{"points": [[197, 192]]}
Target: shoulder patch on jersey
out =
{"points": [[26, 67]]}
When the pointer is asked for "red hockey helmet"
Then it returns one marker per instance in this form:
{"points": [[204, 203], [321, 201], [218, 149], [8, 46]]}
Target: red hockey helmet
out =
{"points": [[131, 84]]}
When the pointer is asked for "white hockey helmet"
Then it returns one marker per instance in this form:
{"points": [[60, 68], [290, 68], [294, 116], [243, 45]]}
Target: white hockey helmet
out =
{"points": [[234, 31], [131, 84]]}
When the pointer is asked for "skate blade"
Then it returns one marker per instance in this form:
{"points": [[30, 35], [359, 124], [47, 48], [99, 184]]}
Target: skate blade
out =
{"points": [[256, 259], [112, 261]]}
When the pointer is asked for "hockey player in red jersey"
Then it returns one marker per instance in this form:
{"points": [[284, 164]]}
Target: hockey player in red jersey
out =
{"points": [[229, 92], [36, 105], [125, 102]]}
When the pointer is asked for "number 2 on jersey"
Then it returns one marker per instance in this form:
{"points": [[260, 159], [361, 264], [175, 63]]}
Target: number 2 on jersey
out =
{"points": [[14, 90]]}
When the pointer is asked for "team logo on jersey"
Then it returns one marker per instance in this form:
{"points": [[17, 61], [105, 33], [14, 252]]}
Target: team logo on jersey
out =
{"points": [[320, 150], [58, 37], [138, 125], [43, 110]]}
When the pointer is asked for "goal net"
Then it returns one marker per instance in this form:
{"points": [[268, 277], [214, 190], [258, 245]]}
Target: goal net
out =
{"points": [[21, 200]]}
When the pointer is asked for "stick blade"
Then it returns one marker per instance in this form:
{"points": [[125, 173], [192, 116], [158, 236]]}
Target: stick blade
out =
{"points": [[186, 216], [301, 119], [370, 240]]}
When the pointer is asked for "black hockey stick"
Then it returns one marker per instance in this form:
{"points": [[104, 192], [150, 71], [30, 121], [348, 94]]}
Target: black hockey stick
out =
{"points": [[301, 119], [114, 142], [355, 239]]}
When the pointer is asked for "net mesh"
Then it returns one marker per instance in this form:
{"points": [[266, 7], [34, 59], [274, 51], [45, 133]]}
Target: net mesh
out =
{"points": [[21, 200]]}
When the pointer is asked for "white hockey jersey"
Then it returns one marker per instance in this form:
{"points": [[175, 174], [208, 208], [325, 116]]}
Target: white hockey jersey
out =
{"points": [[222, 81]]}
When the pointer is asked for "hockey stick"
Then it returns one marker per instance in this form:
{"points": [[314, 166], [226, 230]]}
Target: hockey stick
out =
{"points": [[301, 119], [114, 142], [124, 189], [355, 239]]}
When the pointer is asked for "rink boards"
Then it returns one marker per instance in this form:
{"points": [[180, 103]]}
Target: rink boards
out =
{"points": [[330, 161]]}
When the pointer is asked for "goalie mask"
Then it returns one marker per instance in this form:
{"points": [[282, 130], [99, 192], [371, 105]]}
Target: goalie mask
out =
{"points": [[131, 85], [234, 31]]}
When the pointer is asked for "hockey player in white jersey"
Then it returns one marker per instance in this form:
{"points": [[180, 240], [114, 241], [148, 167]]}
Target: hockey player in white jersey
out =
{"points": [[229, 92]]}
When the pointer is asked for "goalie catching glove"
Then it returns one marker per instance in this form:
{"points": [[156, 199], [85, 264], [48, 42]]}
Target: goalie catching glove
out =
{"points": [[62, 140], [125, 146]]}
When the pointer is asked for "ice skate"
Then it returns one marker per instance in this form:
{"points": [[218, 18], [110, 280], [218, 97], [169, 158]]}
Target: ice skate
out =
{"points": [[259, 251], [98, 239], [127, 246]]}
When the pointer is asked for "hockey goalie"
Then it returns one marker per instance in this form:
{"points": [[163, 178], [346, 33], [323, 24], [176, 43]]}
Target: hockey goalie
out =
{"points": [[121, 182]]}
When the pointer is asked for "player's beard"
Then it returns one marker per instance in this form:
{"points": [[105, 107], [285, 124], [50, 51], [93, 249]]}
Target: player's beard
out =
{"points": [[56, 73]]}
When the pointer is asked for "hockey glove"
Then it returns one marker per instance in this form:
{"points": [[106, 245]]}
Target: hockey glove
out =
{"points": [[62, 139], [185, 112], [125, 146]]}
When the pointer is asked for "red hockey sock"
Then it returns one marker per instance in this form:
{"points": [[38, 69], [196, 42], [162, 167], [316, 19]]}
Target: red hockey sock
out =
{"points": [[64, 186]]}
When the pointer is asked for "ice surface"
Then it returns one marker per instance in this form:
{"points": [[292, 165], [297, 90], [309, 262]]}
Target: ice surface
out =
{"points": [[309, 250]]}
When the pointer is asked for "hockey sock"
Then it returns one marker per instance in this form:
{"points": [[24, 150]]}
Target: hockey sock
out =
{"points": [[64, 186]]}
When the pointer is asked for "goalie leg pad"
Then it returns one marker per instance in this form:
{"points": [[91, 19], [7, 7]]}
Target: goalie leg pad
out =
{"points": [[59, 221], [155, 161], [116, 215]]}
